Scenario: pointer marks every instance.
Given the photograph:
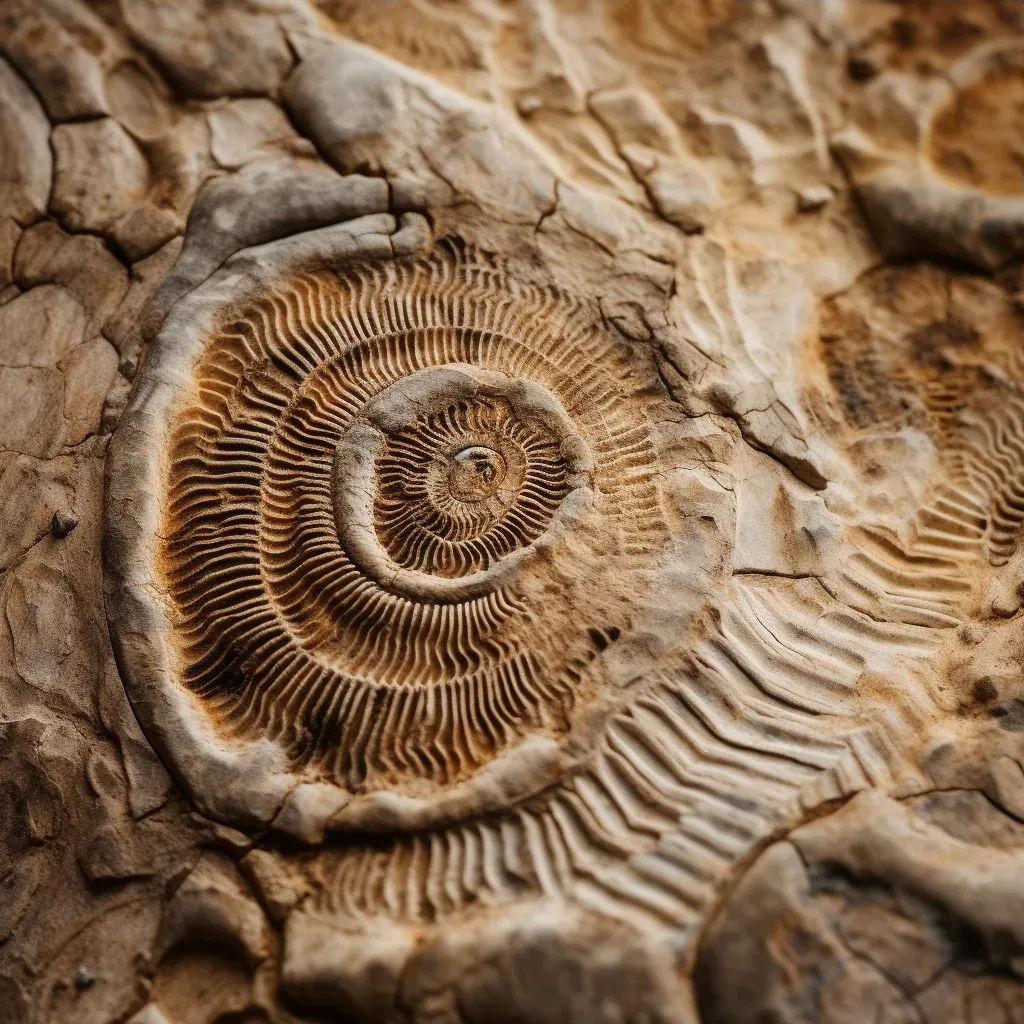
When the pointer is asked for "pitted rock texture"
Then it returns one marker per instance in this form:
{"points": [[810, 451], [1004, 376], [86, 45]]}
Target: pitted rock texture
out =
{"points": [[511, 511]]}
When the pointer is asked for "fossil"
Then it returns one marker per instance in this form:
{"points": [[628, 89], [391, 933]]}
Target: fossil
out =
{"points": [[511, 511], [387, 492]]}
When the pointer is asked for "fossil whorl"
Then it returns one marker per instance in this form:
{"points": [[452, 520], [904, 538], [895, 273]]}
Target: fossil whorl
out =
{"points": [[406, 505]]}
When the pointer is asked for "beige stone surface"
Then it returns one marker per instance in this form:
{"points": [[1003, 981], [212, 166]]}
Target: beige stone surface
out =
{"points": [[511, 512], [27, 164], [46, 254]]}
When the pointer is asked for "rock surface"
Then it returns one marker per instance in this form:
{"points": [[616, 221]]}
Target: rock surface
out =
{"points": [[511, 512]]}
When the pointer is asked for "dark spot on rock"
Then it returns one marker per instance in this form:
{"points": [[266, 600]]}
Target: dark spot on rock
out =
{"points": [[959, 33], [62, 523], [930, 342], [985, 690], [1010, 715], [861, 69], [853, 400], [602, 638], [904, 33]]}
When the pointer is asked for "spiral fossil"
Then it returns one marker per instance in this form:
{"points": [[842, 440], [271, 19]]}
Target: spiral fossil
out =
{"points": [[406, 506], [462, 488]]}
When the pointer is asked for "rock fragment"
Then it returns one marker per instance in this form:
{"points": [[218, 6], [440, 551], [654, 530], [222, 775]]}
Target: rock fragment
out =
{"points": [[26, 164], [100, 174]]}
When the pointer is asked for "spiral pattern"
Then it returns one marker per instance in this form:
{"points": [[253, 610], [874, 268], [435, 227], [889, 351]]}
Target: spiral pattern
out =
{"points": [[406, 507], [463, 488]]}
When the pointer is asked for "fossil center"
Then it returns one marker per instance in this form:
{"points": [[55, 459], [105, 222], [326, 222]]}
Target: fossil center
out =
{"points": [[475, 473]]}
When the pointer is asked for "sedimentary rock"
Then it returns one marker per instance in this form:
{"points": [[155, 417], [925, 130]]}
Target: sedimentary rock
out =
{"points": [[511, 512]]}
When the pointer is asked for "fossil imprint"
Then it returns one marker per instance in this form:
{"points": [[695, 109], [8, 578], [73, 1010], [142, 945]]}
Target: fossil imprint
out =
{"points": [[419, 570], [389, 494], [414, 539], [512, 511]]}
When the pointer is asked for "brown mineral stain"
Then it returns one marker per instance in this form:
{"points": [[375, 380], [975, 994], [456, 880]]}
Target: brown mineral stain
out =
{"points": [[670, 25], [978, 139]]}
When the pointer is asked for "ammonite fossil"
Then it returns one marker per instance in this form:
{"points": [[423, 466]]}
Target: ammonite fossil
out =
{"points": [[405, 507]]}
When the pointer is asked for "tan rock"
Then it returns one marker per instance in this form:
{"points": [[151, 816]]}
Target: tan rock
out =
{"points": [[34, 425], [40, 327], [26, 164], [211, 51], [99, 174], [511, 512], [88, 370], [122, 329], [213, 903], [180, 156], [279, 885], [81, 263], [367, 987], [57, 47], [252, 129], [32, 492], [139, 100], [10, 232]]}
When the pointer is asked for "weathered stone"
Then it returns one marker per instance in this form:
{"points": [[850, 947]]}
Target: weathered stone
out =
{"points": [[33, 815], [117, 402], [99, 175], [394, 121], [212, 51], [26, 165], [88, 370], [874, 837], [40, 327], [31, 493], [183, 164], [83, 264], [366, 989], [144, 229], [213, 903], [253, 129], [848, 926], [114, 995], [139, 100], [280, 886], [34, 425], [813, 198], [122, 329], [62, 523], [555, 470], [10, 232], [56, 47]]}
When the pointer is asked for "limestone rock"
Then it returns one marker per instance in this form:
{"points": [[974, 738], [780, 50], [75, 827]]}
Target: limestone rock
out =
{"points": [[212, 51], [88, 371], [10, 233], [511, 512], [865, 930], [40, 327], [46, 254], [253, 129], [179, 164], [26, 164], [60, 46], [123, 329], [139, 100], [99, 174]]}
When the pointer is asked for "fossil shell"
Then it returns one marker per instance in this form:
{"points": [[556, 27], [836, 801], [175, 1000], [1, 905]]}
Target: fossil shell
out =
{"points": [[403, 508]]}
